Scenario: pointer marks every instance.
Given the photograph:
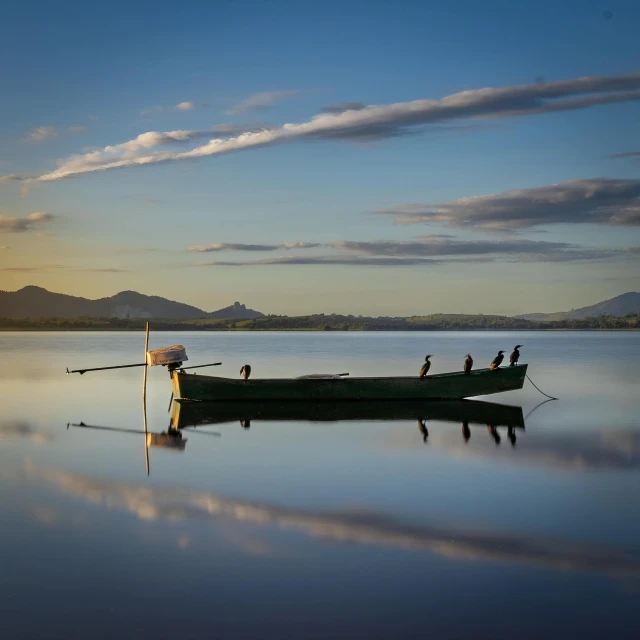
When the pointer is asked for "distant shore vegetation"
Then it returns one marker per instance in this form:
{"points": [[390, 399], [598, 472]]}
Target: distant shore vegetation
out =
{"points": [[322, 322]]}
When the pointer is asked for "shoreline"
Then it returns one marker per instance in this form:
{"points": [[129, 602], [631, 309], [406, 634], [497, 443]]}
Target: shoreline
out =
{"points": [[285, 330]]}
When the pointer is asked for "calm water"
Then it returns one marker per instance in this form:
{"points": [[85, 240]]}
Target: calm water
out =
{"points": [[319, 530]]}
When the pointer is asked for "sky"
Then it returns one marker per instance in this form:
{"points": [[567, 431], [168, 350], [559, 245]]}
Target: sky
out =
{"points": [[374, 158]]}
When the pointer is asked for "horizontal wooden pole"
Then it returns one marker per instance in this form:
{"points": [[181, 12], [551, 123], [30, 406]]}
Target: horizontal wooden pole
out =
{"points": [[121, 366]]}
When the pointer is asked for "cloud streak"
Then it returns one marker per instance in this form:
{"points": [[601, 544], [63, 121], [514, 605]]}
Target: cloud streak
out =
{"points": [[260, 101], [461, 544], [626, 154], [20, 225], [42, 133], [377, 121], [596, 200], [238, 246], [429, 251]]}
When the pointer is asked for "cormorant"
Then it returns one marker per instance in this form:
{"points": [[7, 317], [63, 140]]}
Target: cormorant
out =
{"points": [[468, 363], [515, 356], [422, 425], [245, 372], [425, 367], [497, 361]]}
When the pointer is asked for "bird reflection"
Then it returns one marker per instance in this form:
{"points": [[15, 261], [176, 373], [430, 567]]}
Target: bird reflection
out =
{"points": [[466, 432], [494, 433], [422, 425]]}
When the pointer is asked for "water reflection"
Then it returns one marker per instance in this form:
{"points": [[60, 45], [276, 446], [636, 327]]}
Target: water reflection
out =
{"points": [[187, 413], [22, 429], [354, 527]]}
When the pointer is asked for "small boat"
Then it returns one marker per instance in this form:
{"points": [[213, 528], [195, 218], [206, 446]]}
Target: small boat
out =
{"points": [[443, 386], [320, 387], [186, 413]]}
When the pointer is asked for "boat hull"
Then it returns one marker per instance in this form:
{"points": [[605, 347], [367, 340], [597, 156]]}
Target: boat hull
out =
{"points": [[446, 386]]}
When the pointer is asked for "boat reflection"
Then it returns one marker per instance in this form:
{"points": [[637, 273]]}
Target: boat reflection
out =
{"points": [[194, 414], [170, 439]]}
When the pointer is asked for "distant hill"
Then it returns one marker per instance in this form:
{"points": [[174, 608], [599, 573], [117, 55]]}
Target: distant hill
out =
{"points": [[36, 302], [618, 306]]}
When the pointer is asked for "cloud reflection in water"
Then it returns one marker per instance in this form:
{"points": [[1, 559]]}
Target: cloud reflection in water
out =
{"points": [[173, 504]]}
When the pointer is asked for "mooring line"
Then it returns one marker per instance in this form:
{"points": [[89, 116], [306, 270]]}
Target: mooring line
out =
{"points": [[540, 390]]}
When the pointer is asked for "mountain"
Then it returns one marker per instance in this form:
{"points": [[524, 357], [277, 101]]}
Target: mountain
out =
{"points": [[618, 306], [36, 302]]}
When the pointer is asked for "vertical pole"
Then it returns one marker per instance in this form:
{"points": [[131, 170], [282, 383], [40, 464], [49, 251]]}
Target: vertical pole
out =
{"points": [[144, 396], [144, 378]]}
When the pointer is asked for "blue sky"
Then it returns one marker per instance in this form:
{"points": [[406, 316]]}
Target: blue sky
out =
{"points": [[81, 79]]}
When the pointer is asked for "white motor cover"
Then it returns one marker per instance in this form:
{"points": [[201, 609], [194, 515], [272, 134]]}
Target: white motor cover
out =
{"points": [[167, 355]]}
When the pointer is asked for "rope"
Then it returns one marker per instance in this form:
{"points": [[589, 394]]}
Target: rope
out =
{"points": [[542, 392], [536, 408]]}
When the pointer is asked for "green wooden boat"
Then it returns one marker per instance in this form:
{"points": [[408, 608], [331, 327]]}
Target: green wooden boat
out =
{"points": [[444, 386], [186, 413]]}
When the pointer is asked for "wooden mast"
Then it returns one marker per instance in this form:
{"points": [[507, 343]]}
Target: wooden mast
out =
{"points": [[144, 396]]}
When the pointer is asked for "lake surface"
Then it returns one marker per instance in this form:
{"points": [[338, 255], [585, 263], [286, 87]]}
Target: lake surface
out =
{"points": [[298, 529]]}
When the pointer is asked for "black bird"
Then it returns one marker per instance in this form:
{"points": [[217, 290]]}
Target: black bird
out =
{"points": [[466, 432], [494, 433], [245, 372], [422, 425], [468, 363], [515, 356], [425, 367], [497, 361]]}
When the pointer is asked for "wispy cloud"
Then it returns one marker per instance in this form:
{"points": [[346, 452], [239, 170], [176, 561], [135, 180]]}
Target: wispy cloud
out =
{"points": [[42, 133], [448, 247], [597, 200], [364, 528], [149, 111], [238, 246], [626, 154], [185, 106], [424, 251], [373, 121], [341, 107], [13, 177], [77, 129], [324, 260], [53, 268], [260, 101], [19, 225]]}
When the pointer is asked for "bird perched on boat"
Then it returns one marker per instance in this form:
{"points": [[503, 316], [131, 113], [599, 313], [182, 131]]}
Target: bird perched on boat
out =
{"points": [[468, 363], [515, 356], [425, 367], [497, 361], [245, 372]]}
